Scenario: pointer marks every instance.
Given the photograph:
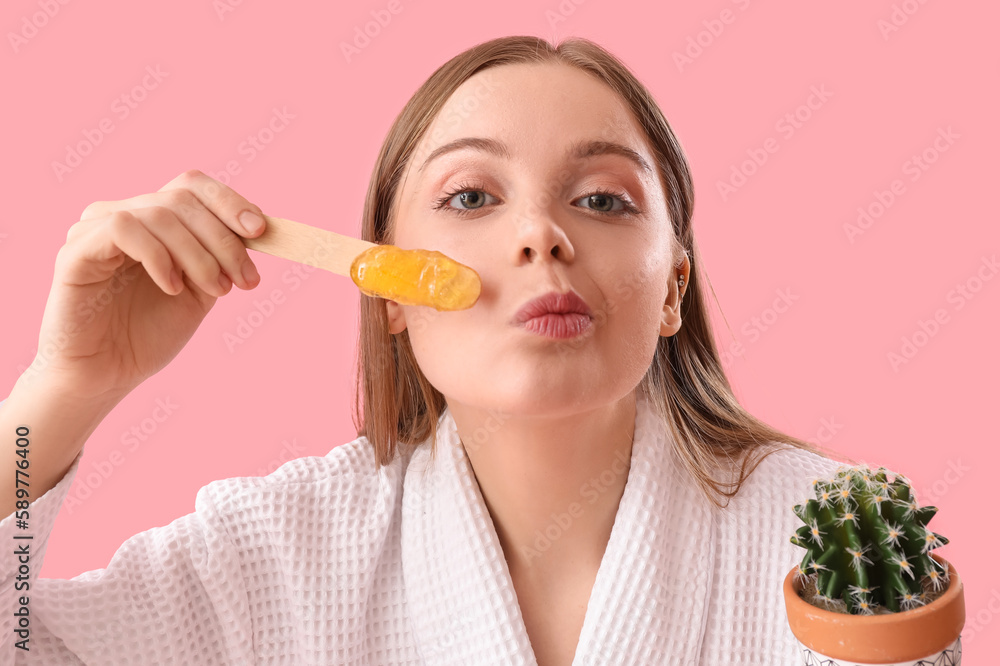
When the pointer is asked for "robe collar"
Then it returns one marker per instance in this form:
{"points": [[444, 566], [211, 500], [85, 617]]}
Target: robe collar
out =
{"points": [[649, 600]]}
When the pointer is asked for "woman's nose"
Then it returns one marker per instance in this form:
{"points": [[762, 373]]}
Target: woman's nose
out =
{"points": [[540, 235]]}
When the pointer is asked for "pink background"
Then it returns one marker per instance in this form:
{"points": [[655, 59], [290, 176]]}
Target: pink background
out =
{"points": [[819, 370]]}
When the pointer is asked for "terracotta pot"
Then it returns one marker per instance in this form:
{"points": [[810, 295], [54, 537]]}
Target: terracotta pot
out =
{"points": [[924, 636]]}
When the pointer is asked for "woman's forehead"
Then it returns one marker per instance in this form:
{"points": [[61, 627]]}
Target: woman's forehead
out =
{"points": [[529, 111], [529, 105]]}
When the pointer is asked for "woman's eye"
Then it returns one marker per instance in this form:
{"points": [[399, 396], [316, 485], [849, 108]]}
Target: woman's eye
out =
{"points": [[466, 199], [469, 200], [603, 202], [610, 203]]}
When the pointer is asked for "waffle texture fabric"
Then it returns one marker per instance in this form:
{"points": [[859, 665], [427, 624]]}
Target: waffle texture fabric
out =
{"points": [[326, 561]]}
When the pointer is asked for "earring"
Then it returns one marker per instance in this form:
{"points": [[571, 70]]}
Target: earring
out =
{"points": [[680, 280]]}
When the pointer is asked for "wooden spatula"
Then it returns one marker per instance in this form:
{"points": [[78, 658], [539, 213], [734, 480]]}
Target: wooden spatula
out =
{"points": [[411, 277], [308, 245]]}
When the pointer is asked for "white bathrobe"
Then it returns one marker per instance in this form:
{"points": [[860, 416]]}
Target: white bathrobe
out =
{"points": [[326, 561]]}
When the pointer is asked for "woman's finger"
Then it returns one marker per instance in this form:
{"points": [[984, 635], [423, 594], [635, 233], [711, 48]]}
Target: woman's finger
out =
{"points": [[97, 251], [187, 253]]}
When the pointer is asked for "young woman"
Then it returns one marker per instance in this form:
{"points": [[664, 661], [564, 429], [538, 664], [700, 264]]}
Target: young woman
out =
{"points": [[559, 475]]}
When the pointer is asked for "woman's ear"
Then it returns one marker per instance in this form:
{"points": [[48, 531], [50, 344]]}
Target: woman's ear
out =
{"points": [[397, 320], [670, 320]]}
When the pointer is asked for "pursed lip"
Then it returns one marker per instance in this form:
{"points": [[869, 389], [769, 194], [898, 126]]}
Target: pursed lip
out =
{"points": [[552, 302]]}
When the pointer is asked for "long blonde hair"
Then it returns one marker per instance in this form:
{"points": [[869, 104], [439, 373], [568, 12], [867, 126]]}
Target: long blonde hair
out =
{"points": [[685, 382]]}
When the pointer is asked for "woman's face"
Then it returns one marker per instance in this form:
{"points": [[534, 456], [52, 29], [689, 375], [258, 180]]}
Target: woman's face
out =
{"points": [[533, 220]]}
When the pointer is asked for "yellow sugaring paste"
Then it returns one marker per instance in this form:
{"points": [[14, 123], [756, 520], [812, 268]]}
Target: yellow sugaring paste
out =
{"points": [[415, 277]]}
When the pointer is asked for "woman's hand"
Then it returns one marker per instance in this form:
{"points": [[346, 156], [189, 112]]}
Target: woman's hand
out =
{"points": [[135, 279]]}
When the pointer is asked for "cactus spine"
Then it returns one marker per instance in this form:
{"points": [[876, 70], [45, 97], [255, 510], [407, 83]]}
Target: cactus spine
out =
{"points": [[867, 542]]}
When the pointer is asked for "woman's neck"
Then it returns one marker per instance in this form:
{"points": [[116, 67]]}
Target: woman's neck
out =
{"points": [[552, 484]]}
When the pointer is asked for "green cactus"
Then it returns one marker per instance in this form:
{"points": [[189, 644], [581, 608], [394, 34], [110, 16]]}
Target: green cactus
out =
{"points": [[867, 542]]}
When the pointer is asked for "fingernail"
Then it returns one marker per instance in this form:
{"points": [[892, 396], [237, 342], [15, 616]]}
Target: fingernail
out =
{"points": [[251, 221], [250, 273]]}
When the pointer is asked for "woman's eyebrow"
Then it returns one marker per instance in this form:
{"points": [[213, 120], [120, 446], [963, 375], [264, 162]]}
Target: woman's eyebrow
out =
{"points": [[580, 150]]}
